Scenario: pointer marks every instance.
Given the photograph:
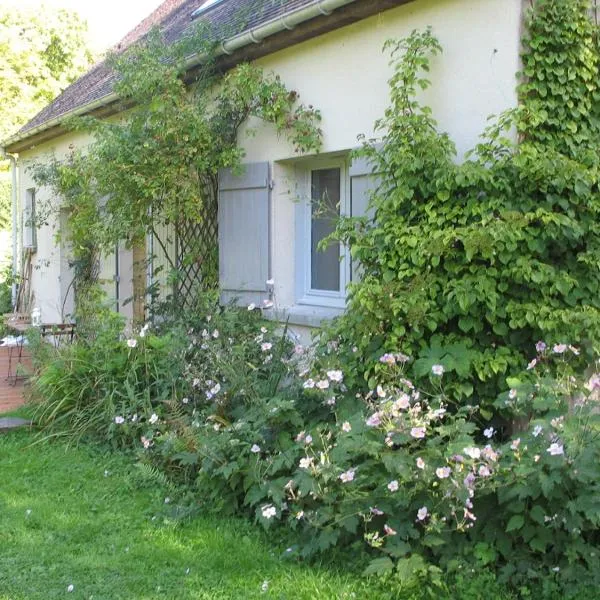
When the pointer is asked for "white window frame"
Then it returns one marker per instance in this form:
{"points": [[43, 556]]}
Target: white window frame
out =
{"points": [[305, 294]]}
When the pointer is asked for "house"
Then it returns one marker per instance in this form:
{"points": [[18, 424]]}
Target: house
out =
{"points": [[330, 50]]}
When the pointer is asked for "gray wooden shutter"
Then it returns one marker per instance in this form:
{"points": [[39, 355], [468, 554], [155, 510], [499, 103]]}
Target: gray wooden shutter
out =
{"points": [[362, 184], [244, 234]]}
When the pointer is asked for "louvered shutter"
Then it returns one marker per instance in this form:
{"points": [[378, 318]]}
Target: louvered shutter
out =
{"points": [[244, 234], [362, 183]]}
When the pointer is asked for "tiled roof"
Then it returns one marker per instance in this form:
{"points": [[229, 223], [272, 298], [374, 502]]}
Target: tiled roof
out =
{"points": [[174, 17]]}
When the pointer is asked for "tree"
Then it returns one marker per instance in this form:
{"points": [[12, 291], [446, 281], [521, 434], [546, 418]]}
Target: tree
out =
{"points": [[43, 51]]}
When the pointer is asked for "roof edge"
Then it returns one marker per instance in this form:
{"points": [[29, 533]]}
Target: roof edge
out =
{"points": [[286, 21]]}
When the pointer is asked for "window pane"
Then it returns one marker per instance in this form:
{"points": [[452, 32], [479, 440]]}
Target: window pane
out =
{"points": [[325, 208]]}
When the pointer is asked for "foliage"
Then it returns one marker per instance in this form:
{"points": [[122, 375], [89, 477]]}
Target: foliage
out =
{"points": [[87, 388], [158, 164], [44, 50], [468, 265]]}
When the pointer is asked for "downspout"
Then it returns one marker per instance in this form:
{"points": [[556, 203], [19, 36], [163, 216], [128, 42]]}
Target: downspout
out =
{"points": [[14, 196]]}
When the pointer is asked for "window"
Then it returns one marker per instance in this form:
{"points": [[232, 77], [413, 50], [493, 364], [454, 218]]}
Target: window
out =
{"points": [[29, 233], [323, 272]]}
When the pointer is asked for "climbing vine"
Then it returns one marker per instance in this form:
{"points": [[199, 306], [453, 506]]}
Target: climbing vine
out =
{"points": [[469, 265], [156, 165]]}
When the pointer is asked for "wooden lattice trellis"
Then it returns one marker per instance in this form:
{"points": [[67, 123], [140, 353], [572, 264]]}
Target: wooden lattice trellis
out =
{"points": [[190, 246]]}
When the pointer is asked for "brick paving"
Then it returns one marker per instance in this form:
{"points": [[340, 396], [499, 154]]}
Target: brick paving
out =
{"points": [[11, 396]]}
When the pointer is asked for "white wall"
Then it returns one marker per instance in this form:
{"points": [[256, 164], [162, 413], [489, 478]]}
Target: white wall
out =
{"points": [[344, 74], [46, 261]]}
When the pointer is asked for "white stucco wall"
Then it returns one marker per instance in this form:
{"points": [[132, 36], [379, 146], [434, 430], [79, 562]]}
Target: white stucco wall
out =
{"points": [[46, 260], [345, 74]]}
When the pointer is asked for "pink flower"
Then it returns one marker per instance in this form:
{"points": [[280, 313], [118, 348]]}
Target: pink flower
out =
{"points": [[443, 472], [388, 530], [347, 476], [474, 453], [437, 370], [418, 432], [484, 471], [512, 394], [323, 384], [266, 346], [420, 463], [374, 420], [532, 364], [388, 359], [255, 449], [555, 449], [146, 442], [132, 343], [559, 348], [515, 444], [540, 346], [392, 486], [346, 427], [119, 420], [422, 513]]}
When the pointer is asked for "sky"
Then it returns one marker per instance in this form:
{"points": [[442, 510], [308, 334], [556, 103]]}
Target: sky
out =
{"points": [[108, 20]]}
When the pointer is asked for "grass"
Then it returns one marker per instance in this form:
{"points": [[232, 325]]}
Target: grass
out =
{"points": [[73, 516]]}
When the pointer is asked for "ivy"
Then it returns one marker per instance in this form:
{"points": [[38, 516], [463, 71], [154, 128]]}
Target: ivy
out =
{"points": [[469, 265]]}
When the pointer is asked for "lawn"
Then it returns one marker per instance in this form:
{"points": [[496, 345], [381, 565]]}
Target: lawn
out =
{"points": [[76, 517]]}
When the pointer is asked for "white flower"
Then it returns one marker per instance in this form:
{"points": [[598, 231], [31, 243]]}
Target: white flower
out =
{"points": [[555, 449], [251, 306], [346, 427], [347, 476], [215, 334], [532, 364], [263, 330], [422, 513], [146, 442], [489, 432], [512, 394], [323, 384], [418, 432], [265, 586], [574, 350], [119, 420], [537, 430], [388, 530], [443, 472], [420, 463], [266, 346], [308, 439], [484, 471], [215, 389], [299, 514], [70, 587], [474, 453], [134, 418], [335, 375], [381, 392], [309, 384], [255, 449], [438, 370], [559, 348], [185, 400], [393, 486], [153, 418], [515, 444], [374, 420], [196, 382], [132, 343], [268, 511], [306, 463]]}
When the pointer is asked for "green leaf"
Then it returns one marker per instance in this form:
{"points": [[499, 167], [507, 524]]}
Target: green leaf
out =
{"points": [[515, 523], [379, 566]]}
